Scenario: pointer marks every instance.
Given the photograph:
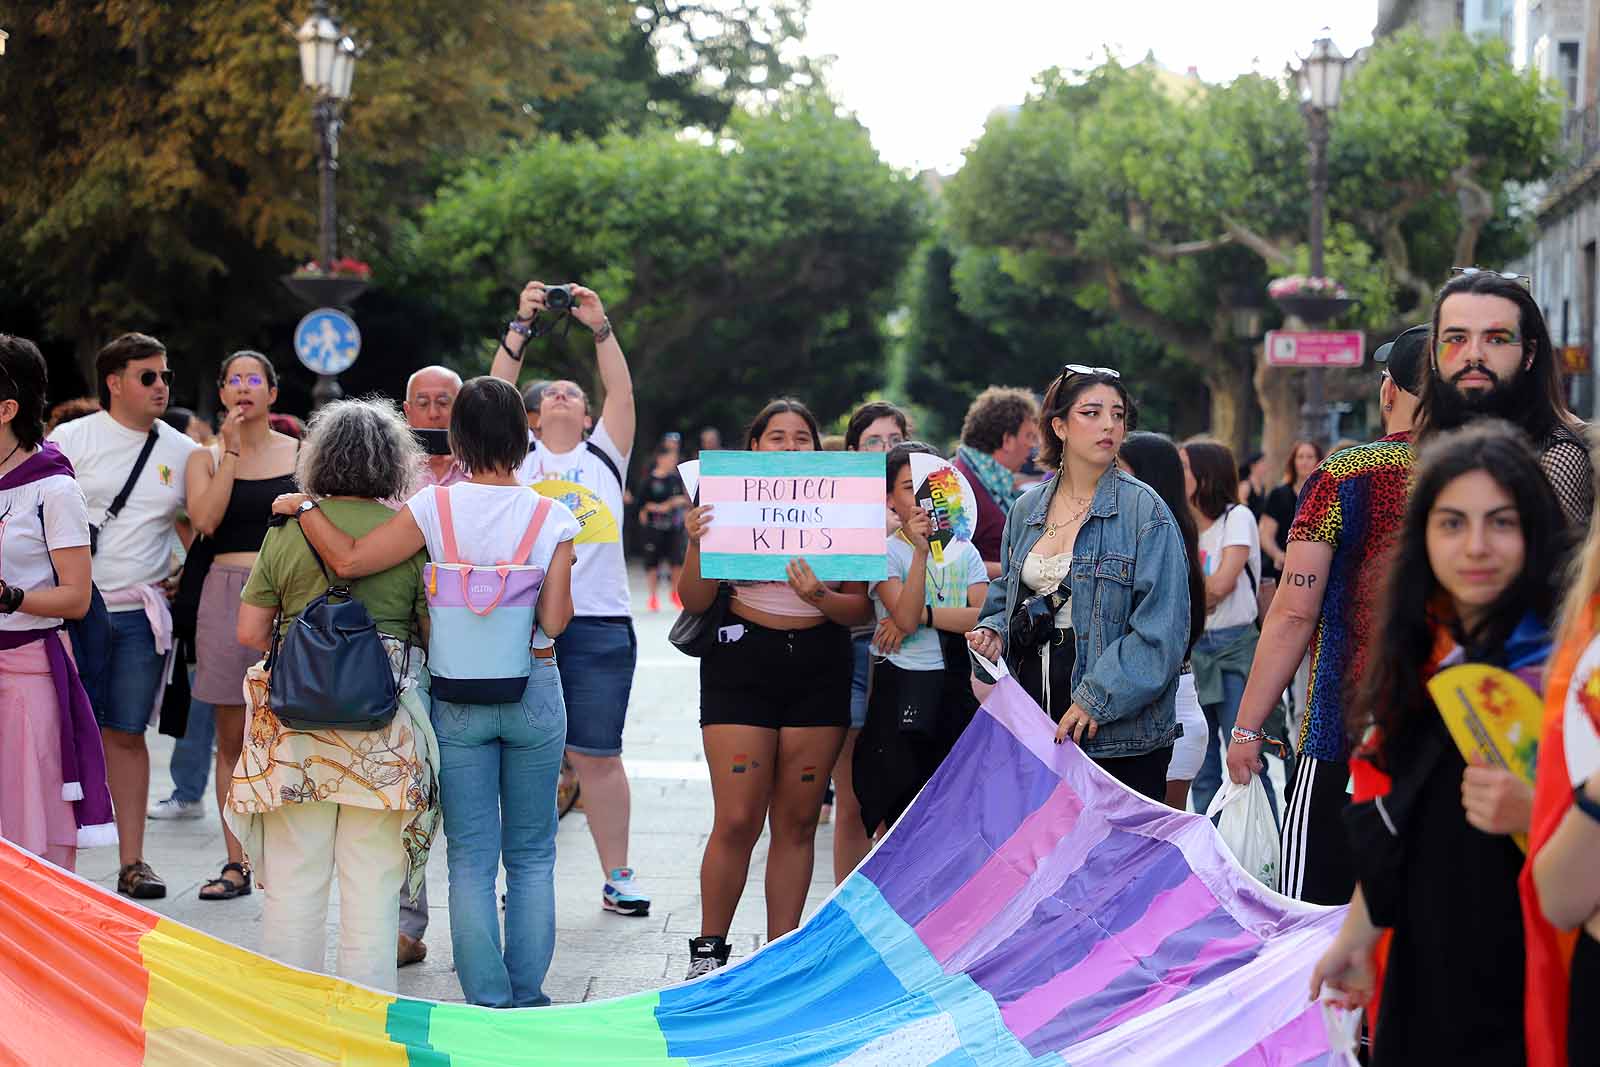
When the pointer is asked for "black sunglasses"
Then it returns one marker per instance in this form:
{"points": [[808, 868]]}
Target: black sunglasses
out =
{"points": [[148, 378], [1068, 369]]}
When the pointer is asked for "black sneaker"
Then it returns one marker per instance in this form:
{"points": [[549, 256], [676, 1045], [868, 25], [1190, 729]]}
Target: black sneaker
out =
{"points": [[706, 954]]}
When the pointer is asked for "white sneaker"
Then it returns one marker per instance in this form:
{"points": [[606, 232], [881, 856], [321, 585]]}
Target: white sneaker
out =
{"points": [[173, 808], [623, 894]]}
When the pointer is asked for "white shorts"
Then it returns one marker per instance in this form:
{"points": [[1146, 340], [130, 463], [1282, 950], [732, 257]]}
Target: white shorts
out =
{"points": [[1188, 751]]}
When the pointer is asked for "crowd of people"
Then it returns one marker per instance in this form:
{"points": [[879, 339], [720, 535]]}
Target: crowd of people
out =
{"points": [[1171, 611]]}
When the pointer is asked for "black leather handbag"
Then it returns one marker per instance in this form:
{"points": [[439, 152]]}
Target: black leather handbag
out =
{"points": [[696, 634], [331, 671]]}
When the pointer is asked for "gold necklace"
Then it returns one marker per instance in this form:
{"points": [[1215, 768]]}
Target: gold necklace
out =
{"points": [[1050, 528]]}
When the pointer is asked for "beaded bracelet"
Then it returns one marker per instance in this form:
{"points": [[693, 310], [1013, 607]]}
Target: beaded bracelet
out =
{"points": [[1246, 736]]}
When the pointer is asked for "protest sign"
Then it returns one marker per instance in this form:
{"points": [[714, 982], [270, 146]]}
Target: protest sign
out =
{"points": [[943, 492], [771, 507]]}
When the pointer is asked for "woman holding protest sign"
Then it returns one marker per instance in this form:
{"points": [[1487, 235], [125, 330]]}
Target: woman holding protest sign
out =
{"points": [[774, 708], [1091, 608], [1475, 580]]}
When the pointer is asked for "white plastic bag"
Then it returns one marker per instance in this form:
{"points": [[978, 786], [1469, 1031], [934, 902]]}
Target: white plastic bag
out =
{"points": [[1247, 828]]}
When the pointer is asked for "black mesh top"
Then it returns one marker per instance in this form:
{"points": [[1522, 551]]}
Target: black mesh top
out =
{"points": [[1565, 460]]}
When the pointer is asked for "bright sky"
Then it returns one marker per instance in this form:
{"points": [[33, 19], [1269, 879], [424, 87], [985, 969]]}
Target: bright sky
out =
{"points": [[923, 75]]}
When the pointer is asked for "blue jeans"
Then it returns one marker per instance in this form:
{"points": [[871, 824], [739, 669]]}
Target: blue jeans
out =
{"points": [[127, 699], [192, 756], [498, 766], [1219, 724]]}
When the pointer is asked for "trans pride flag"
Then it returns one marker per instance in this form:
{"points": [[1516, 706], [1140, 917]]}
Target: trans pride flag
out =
{"points": [[1026, 910]]}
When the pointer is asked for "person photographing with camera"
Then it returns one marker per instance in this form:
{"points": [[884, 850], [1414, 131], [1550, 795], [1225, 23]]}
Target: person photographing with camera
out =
{"points": [[1091, 608], [580, 461]]}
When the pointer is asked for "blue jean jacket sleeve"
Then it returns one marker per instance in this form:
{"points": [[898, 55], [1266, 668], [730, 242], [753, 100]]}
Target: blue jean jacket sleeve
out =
{"points": [[1135, 668]]}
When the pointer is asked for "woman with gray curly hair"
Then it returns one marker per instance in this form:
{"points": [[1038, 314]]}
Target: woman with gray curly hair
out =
{"points": [[362, 801]]}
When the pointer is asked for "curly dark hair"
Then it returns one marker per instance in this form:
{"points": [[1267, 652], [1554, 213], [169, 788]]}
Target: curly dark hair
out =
{"points": [[997, 411], [1391, 694], [1058, 400]]}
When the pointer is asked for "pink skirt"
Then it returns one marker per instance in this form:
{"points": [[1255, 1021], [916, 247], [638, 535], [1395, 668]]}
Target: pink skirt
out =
{"points": [[32, 813], [219, 659]]}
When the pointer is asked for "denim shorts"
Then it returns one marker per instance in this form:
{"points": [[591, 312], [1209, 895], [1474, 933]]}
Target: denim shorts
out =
{"points": [[597, 656], [860, 676], [128, 690]]}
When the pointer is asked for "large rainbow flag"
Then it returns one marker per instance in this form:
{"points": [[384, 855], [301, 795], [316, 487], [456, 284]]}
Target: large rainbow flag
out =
{"points": [[1028, 909]]}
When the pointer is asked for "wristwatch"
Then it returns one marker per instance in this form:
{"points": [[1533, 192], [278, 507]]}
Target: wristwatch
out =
{"points": [[304, 506]]}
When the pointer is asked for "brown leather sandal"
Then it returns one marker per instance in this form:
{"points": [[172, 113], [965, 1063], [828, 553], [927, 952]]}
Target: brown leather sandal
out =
{"points": [[138, 881]]}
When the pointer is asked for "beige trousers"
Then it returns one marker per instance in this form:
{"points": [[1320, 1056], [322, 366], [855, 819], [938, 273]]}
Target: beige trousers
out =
{"points": [[302, 846]]}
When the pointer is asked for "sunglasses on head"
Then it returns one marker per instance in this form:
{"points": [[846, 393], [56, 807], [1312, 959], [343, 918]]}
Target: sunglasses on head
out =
{"points": [[1078, 368], [1510, 276], [148, 378], [254, 381]]}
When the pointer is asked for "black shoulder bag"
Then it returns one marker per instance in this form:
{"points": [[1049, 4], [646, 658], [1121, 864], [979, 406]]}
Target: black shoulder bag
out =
{"points": [[331, 671], [696, 634], [121, 499]]}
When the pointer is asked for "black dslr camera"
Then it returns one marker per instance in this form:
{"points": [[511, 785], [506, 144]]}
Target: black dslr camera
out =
{"points": [[1034, 621], [559, 298]]}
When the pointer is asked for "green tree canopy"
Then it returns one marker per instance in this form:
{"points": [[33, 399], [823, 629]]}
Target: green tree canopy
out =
{"points": [[734, 269], [1168, 204], [160, 156]]}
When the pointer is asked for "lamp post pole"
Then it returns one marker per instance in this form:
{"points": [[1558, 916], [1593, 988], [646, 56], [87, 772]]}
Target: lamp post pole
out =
{"points": [[1314, 412], [327, 65], [325, 119]]}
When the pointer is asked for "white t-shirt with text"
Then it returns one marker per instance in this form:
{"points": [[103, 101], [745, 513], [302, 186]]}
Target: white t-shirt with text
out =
{"points": [[593, 494], [946, 587], [489, 523], [24, 558], [1236, 526], [136, 546]]}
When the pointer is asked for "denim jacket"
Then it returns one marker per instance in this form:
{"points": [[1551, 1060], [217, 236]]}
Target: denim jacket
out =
{"points": [[1130, 608]]}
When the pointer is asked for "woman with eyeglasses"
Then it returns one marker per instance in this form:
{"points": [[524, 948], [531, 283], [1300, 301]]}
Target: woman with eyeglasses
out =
{"points": [[231, 485], [1091, 608]]}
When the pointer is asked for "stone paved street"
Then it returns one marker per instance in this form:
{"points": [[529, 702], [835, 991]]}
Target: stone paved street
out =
{"points": [[598, 954]]}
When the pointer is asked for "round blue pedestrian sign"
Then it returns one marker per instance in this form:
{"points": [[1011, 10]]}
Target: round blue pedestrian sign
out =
{"points": [[327, 341]]}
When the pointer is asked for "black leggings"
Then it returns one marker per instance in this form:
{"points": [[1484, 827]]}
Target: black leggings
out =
{"points": [[1146, 773]]}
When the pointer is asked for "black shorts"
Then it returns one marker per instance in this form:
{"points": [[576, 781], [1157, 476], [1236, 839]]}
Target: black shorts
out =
{"points": [[661, 546], [777, 678]]}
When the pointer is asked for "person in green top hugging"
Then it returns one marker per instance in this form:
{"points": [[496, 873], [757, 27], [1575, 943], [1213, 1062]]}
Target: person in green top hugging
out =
{"points": [[364, 802]]}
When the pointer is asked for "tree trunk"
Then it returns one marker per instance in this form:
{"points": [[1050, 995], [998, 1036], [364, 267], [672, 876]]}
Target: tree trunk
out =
{"points": [[1280, 410], [1231, 399]]}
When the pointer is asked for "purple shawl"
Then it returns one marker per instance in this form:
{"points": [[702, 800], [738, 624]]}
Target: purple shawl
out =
{"points": [[83, 760]]}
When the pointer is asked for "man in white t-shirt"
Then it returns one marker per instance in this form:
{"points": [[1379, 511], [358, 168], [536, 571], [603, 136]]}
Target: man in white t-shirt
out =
{"points": [[598, 651], [131, 560]]}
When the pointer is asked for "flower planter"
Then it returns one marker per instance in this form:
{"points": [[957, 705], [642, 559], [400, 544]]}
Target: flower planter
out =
{"points": [[328, 290], [1314, 310]]}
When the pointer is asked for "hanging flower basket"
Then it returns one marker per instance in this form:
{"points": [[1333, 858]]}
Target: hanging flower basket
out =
{"points": [[336, 285], [1310, 298]]}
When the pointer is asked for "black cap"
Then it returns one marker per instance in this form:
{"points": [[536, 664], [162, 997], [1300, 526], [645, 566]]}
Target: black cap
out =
{"points": [[1401, 358]]}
